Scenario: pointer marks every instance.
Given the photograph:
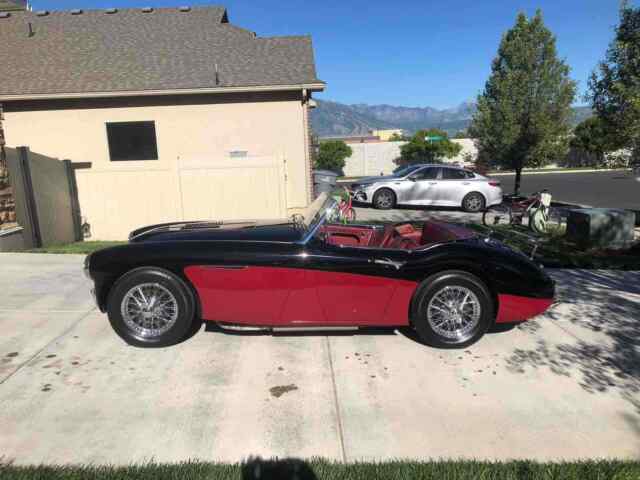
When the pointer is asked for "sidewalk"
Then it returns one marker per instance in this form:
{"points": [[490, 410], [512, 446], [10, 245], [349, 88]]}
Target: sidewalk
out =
{"points": [[564, 386]]}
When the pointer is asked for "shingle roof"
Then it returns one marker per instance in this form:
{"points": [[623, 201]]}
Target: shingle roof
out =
{"points": [[130, 50]]}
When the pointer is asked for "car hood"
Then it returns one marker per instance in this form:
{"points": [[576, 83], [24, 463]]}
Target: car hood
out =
{"points": [[372, 180], [232, 230]]}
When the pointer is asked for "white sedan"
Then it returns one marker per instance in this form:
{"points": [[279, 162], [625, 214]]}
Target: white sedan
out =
{"points": [[430, 184]]}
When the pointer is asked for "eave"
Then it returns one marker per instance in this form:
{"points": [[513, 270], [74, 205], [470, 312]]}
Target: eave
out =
{"points": [[313, 87]]}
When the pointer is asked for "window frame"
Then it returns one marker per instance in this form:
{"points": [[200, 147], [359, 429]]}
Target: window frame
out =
{"points": [[153, 154], [464, 173], [423, 169]]}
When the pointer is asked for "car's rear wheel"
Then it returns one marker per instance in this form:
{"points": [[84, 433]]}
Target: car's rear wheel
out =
{"points": [[452, 309], [384, 199], [151, 307], [474, 202]]}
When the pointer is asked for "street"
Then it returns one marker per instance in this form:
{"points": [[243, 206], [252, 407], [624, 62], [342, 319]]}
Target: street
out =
{"points": [[563, 386], [610, 189]]}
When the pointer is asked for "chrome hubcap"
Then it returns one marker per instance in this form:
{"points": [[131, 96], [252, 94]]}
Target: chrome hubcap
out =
{"points": [[474, 203], [385, 199], [453, 312], [149, 309]]}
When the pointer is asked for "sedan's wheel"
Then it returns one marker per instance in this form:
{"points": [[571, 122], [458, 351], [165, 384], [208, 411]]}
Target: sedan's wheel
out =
{"points": [[150, 307], [473, 202], [452, 309], [384, 199]]}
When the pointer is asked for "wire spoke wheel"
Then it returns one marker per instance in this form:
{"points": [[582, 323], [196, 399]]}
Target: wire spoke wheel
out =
{"points": [[454, 312], [538, 220], [149, 309], [498, 215]]}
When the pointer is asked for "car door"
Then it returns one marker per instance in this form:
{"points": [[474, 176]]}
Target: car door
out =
{"points": [[355, 285], [453, 185], [235, 291], [419, 187]]}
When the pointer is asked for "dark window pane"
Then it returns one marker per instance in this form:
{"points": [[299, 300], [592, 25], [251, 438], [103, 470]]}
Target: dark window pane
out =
{"points": [[132, 141], [453, 174], [430, 173]]}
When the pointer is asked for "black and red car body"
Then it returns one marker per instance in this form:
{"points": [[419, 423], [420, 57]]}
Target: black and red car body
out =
{"points": [[447, 282]]}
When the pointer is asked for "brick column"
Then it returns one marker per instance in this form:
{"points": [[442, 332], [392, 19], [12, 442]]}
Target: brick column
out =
{"points": [[7, 202]]}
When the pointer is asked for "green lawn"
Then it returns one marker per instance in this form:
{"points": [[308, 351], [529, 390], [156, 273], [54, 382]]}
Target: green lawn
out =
{"points": [[324, 470], [77, 247]]}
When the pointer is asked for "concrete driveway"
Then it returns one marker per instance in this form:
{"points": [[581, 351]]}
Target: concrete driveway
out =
{"points": [[564, 386]]}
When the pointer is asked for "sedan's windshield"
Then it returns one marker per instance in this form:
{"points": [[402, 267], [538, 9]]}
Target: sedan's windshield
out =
{"points": [[406, 170]]}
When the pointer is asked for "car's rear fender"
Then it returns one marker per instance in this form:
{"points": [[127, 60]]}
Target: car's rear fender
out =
{"points": [[463, 265]]}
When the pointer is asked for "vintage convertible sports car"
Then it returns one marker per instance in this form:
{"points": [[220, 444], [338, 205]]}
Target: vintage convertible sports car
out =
{"points": [[444, 281]]}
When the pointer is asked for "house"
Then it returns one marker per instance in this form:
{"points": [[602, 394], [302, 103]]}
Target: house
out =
{"points": [[351, 139], [166, 114], [13, 5], [386, 135]]}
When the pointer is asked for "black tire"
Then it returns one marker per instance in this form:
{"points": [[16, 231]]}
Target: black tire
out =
{"points": [[474, 202], [384, 199], [184, 301], [433, 286]]}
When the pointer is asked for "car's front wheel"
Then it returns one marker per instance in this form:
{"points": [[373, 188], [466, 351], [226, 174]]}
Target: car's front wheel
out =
{"points": [[384, 199], [452, 309], [151, 307]]}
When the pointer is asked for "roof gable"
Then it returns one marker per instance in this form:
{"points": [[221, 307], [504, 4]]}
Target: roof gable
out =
{"points": [[97, 51]]}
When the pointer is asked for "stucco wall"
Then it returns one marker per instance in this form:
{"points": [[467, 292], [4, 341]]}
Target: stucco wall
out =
{"points": [[193, 132]]}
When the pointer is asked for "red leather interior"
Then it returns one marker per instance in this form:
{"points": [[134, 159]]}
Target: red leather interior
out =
{"points": [[435, 232], [404, 236]]}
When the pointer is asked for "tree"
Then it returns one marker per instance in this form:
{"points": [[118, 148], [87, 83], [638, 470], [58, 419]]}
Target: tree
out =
{"points": [[593, 136], [396, 137], [614, 88], [524, 112], [461, 134], [332, 155], [428, 146]]}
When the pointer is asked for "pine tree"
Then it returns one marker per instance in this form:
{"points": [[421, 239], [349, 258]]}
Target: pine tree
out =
{"points": [[615, 85], [524, 112]]}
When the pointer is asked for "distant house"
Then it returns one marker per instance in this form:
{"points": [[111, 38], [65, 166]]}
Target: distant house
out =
{"points": [[13, 5], [386, 135], [167, 114], [352, 139]]}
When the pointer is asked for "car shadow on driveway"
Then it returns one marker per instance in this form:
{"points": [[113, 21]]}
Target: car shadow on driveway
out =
{"points": [[601, 310]]}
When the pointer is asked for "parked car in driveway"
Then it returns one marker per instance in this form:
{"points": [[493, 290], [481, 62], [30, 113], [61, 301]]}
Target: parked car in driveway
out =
{"points": [[445, 281], [437, 185]]}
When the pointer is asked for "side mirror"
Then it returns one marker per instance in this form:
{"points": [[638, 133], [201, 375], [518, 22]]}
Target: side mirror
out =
{"points": [[412, 178]]}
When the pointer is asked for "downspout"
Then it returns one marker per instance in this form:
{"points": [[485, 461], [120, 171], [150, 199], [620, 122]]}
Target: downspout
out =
{"points": [[306, 96]]}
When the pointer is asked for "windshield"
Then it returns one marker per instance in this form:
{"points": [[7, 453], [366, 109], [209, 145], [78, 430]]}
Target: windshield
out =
{"points": [[323, 207], [406, 170]]}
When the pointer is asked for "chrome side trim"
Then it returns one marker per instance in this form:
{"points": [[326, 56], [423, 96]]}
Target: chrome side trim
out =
{"points": [[225, 267]]}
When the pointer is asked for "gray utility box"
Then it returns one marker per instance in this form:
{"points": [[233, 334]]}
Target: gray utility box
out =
{"points": [[324, 181], [601, 227]]}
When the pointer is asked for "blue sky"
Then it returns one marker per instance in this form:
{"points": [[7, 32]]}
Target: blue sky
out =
{"points": [[408, 52]]}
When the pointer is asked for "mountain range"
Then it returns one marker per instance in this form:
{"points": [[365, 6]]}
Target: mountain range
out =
{"points": [[339, 119]]}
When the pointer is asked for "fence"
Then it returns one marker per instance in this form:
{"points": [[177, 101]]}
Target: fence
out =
{"points": [[370, 159], [46, 200]]}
